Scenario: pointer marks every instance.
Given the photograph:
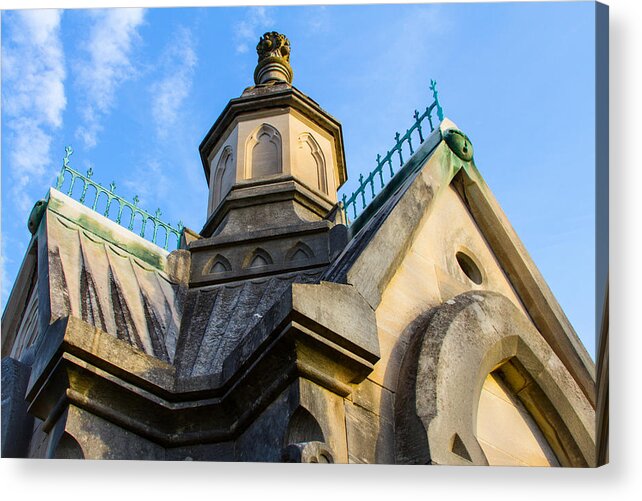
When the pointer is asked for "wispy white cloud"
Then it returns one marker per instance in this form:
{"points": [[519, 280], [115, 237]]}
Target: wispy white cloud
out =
{"points": [[169, 93], [5, 286], [149, 193], [33, 96], [317, 19], [248, 31], [112, 36]]}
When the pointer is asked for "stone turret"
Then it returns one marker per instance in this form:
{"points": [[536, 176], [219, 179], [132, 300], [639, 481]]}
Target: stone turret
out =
{"points": [[273, 161]]}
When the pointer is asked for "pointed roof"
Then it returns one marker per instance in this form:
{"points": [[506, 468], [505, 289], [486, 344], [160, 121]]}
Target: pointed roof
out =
{"points": [[385, 230]]}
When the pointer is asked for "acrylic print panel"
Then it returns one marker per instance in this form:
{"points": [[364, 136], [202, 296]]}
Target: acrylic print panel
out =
{"points": [[322, 234]]}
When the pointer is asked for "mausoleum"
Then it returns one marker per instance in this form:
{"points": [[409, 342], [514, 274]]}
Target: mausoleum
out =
{"points": [[404, 324]]}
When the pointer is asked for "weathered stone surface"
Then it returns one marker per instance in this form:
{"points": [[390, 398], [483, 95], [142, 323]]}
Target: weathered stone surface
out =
{"points": [[519, 441], [265, 437], [307, 452], [178, 266], [277, 333], [370, 438], [276, 98], [16, 423], [100, 439], [440, 383], [96, 270], [374, 398], [226, 258], [526, 279], [218, 318], [327, 408], [222, 451], [39, 441], [341, 310], [274, 59]]}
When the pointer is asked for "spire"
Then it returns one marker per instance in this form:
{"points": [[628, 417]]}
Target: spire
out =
{"points": [[274, 158], [274, 59]]}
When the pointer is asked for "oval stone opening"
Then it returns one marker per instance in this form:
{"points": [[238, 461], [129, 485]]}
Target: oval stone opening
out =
{"points": [[468, 266]]}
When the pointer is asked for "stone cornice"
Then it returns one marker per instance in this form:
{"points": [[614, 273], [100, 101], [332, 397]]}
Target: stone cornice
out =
{"points": [[87, 367]]}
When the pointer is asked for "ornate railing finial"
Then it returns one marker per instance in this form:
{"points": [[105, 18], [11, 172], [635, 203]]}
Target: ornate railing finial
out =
{"points": [[401, 141], [435, 94], [123, 209], [68, 152]]}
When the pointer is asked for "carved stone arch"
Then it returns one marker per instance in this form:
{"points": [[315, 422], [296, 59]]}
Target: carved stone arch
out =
{"points": [[299, 252], [304, 441], [448, 358], [264, 156], [224, 176], [312, 162], [303, 427], [218, 264], [68, 448], [257, 259]]}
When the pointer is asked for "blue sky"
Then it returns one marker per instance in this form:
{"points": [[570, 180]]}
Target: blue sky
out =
{"points": [[134, 91]]}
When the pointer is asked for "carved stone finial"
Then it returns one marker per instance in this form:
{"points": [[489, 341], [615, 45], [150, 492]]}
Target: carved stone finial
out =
{"points": [[274, 59]]}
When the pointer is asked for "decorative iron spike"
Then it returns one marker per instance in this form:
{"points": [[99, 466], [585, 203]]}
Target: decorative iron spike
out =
{"points": [[90, 172], [435, 94], [68, 152], [418, 125], [112, 187], [381, 161]]}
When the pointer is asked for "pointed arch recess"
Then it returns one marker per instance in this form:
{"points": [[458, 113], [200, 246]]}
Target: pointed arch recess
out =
{"points": [[224, 176], [451, 351], [68, 448], [303, 427], [219, 264], [312, 162], [264, 156], [257, 259], [299, 252]]}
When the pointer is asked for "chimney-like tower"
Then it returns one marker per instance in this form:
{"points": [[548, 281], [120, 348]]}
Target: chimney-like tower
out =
{"points": [[274, 161]]}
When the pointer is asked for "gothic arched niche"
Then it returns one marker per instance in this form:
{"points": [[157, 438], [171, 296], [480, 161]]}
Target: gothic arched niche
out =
{"points": [[219, 264], [311, 163], [303, 428], [299, 252], [223, 178], [452, 350], [257, 259], [264, 155], [68, 448]]}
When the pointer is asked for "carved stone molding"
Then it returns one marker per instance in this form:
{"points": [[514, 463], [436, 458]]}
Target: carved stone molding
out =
{"points": [[307, 452]]}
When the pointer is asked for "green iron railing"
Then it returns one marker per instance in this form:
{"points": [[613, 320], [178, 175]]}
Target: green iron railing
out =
{"points": [[384, 170], [122, 204]]}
